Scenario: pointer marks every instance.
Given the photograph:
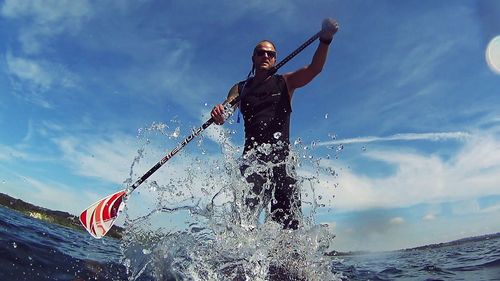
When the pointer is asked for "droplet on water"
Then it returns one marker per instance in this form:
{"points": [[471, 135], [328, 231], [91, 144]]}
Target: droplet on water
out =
{"points": [[326, 116], [277, 135]]}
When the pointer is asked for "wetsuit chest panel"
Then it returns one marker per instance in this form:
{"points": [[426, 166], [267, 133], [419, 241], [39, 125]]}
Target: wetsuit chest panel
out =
{"points": [[266, 112]]}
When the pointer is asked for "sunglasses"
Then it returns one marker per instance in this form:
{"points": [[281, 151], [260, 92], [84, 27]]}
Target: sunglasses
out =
{"points": [[260, 53]]}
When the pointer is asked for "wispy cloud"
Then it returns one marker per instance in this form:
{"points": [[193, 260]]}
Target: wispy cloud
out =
{"points": [[55, 195], [52, 194], [31, 78], [45, 19], [402, 137], [155, 63], [117, 158], [491, 209], [422, 60], [472, 172], [106, 158], [29, 71], [397, 221], [10, 153], [429, 217]]}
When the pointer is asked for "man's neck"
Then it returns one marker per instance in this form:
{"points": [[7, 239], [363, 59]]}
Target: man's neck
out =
{"points": [[261, 75]]}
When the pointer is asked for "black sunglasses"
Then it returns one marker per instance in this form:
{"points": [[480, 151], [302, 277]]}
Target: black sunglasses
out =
{"points": [[260, 53]]}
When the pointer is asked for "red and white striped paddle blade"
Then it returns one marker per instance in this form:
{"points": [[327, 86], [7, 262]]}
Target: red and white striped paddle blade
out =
{"points": [[100, 216]]}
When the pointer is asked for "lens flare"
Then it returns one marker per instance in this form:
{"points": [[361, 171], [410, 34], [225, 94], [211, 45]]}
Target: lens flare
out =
{"points": [[493, 54]]}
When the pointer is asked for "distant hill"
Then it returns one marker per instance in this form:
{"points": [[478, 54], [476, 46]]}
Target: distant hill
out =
{"points": [[425, 247], [457, 242], [51, 216]]}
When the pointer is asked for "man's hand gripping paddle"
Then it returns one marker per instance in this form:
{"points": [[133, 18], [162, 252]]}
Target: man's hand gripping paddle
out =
{"points": [[100, 216]]}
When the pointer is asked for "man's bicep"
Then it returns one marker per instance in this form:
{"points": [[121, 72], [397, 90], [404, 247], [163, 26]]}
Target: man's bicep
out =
{"points": [[233, 93], [299, 78]]}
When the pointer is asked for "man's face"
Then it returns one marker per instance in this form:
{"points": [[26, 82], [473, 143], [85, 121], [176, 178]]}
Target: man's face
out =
{"points": [[264, 56]]}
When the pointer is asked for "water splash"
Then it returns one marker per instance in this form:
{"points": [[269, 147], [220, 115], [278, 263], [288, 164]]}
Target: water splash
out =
{"points": [[193, 223]]}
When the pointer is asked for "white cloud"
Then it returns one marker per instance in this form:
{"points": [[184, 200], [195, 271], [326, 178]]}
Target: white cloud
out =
{"points": [[30, 78], [491, 209], [413, 59], [229, 12], [396, 221], [45, 19], [422, 60], [9, 153], [47, 128], [115, 157], [283, 9], [158, 59], [474, 171], [49, 11], [48, 194], [107, 158], [30, 71], [429, 217], [402, 137]]}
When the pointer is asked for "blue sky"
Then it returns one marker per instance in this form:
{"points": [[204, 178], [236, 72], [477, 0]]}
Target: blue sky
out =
{"points": [[407, 91]]}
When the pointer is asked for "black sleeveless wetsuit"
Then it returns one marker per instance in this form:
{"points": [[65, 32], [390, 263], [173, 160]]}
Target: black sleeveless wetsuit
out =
{"points": [[266, 111]]}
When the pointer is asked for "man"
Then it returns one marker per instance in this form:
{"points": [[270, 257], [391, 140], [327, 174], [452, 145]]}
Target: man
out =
{"points": [[266, 106]]}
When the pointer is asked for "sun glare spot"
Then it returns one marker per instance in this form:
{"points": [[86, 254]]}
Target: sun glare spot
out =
{"points": [[493, 54]]}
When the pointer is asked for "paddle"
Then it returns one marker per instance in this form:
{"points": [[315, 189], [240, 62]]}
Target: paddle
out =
{"points": [[100, 216]]}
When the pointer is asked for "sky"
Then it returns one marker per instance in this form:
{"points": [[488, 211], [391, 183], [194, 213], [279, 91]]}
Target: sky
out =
{"points": [[405, 112]]}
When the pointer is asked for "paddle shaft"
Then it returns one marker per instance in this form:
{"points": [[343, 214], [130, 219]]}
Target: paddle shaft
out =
{"points": [[210, 121], [172, 153]]}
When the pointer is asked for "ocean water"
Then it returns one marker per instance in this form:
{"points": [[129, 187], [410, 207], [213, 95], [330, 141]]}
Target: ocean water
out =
{"points": [[190, 222], [35, 250], [31, 249]]}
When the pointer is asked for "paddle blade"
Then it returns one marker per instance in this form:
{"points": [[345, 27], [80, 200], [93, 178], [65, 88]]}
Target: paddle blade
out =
{"points": [[100, 216]]}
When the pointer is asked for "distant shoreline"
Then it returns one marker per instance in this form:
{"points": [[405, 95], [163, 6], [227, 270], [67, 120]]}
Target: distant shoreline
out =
{"points": [[68, 220], [425, 247], [56, 217]]}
